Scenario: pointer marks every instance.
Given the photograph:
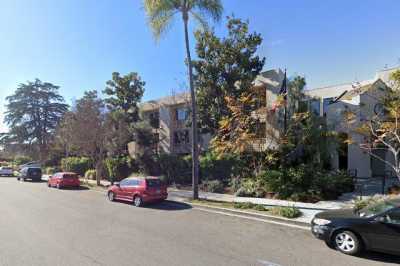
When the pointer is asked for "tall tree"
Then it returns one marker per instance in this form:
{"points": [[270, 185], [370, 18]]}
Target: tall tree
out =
{"points": [[33, 113], [124, 94], [225, 69], [161, 14], [86, 131]]}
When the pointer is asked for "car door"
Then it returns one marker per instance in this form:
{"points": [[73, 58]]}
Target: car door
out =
{"points": [[131, 188], [121, 192], [386, 232]]}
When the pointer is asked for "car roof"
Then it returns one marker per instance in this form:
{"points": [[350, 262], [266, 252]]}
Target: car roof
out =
{"points": [[142, 177], [66, 173]]}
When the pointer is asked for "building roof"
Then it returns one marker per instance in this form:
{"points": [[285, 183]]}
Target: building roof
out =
{"points": [[177, 99], [336, 90]]}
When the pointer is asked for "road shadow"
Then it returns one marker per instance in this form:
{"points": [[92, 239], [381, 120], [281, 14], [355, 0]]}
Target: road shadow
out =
{"points": [[380, 257], [166, 205], [75, 188], [169, 205], [33, 181]]}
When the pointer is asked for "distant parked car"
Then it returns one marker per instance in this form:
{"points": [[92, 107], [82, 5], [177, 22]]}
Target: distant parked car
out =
{"points": [[138, 190], [375, 227], [30, 164], [32, 173], [64, 180], [6, 171]]}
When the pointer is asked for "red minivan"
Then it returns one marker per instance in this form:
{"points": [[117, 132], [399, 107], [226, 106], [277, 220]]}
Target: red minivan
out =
{"points": [[64, 179], [138, 190]]}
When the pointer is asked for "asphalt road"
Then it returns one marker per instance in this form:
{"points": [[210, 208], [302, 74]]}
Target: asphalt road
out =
{"points": [[43, 226]]}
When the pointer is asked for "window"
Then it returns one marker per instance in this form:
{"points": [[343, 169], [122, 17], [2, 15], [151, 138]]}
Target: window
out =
{"points": [[181, 114], [181, 137], [315, 107], [154, 119], [124, 182], [393, 217], [153, 183], [133, 182]]}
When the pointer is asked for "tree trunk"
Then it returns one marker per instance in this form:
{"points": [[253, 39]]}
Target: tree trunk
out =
{"points": [[99, 171], [195, 154]]}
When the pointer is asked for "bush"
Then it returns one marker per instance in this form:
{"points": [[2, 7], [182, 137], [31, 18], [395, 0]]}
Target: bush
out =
{"points": [[244, 205], [90, 174], [306, 183], [287, 212], [77, 165], [175, 169], [362, 203], [213, 167], [51, 170], [251, 188], [214, 186], [118, 168]]}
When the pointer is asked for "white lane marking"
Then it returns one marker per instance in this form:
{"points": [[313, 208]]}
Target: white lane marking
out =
{"points": [[254, 219], [268, 263]]}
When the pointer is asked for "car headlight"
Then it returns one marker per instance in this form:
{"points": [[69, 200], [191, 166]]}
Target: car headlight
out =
{"points": [[319, 221]]}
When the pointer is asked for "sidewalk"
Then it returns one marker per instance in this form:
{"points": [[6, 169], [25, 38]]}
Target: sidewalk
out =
{"points": [[308, 209]]}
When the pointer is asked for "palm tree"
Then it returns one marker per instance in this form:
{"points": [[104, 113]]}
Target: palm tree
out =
{"points": [[160, 15]]}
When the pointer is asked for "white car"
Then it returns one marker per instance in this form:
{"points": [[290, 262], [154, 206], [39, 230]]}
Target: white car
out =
{"points": [[6, 171]]}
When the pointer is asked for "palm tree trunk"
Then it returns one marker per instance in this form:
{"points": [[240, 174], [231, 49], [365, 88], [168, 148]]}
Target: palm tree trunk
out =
{"points": [[195, 154]]}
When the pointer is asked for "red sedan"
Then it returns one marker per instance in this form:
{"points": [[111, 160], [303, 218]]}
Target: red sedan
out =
{"points": [[138, 190], [64, 179]]}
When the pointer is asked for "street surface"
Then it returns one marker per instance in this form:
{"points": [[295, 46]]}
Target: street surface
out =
{"points": [[43, 226]]}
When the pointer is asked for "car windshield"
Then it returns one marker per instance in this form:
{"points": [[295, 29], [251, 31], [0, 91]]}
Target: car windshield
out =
{"points": [[153, 183], [376, 208]]}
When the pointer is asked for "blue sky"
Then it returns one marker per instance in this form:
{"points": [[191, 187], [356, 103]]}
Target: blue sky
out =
{"points": [[78, 44]]}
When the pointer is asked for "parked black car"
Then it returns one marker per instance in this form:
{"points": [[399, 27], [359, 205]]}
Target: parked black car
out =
{"points": [[376, 227], [33, 173]]}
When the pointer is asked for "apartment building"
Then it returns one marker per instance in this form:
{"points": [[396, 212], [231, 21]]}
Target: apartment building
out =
{"points": [[363, 99], [170, 119]]}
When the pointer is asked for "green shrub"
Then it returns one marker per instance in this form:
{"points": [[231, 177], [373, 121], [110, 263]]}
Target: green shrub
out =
{"points": [[77, 165], [260, 207], [118, 168], [251, 188], [175, 169], [90, 174], [214, 186], [362, 203], [244, 205], [287, 212], [215, 167], [51, 170]]}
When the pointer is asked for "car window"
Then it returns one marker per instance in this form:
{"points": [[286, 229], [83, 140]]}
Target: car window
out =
{"points": [[393, 217], [124, 182], [154, 183], [72, 176]]}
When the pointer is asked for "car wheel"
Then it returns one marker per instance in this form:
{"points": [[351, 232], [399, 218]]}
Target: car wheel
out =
{"points": [[111, 196], [347, 242], [137, 201], [18, 178]]}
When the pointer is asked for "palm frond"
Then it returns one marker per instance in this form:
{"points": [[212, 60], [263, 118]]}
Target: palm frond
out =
{"points": [[209, 8], [160, 14]]}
